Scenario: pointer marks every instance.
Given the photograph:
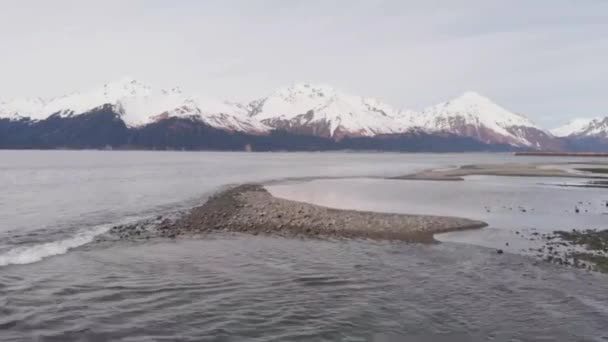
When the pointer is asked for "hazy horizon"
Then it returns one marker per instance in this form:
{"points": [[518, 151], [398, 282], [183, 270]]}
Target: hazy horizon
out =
{"points": [[544, 59]]}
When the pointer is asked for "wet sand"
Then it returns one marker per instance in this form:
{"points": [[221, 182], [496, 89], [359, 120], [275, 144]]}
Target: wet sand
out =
{"points": [[250, 208], [513, 170]]}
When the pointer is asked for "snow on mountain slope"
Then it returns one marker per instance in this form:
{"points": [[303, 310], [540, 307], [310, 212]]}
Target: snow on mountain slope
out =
{"points": [[572, 127], [597, 128], [318, 110], [225, 115], [138, 104], [16, 109], [109, 93], [594, 127], [324, 111], [478, 117], [135, 101]]}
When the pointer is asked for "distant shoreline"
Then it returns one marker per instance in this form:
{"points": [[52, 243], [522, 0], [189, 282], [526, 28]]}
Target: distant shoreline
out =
{"points": [[561, 154], [507, 170]]}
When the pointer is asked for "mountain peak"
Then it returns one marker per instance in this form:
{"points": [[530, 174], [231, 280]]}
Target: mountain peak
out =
{"points": [[572, 127], [473, 103], [580, 127], [125, 87], [298, 91], [323, 110], [472, 98], [475, 115]]}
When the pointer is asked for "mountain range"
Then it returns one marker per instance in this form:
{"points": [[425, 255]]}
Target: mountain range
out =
{"points": [[130, 114]]}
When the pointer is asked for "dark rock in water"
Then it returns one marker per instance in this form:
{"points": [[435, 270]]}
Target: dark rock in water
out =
{"points": [[499, 251], [506, 243]]}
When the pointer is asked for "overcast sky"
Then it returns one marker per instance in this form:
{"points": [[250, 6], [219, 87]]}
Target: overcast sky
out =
{"points": [[547, 59]]}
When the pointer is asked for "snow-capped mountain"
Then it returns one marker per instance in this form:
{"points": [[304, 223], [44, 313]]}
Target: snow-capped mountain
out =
{"points": [[324, 111], [580, 127], [305, 110], [137, 104], [476, 116], [327, 112]]}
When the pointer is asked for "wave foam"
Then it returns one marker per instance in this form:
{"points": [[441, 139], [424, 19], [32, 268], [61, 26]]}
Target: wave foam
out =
{"points": [[30, 254]]}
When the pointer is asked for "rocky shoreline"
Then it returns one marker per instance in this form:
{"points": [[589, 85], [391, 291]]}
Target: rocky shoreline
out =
{"points": [[584, 249], [251, 209]]}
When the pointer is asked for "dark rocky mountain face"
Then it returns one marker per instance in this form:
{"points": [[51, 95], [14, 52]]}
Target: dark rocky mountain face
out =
{"points": [[538, 138], [186, 134], [419, 141], [586, 144], [459, 127], [17, 134], [100, 128], [302, 124]]}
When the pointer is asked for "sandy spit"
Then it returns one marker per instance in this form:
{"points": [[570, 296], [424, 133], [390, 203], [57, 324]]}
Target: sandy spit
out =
{"points": [[250, 208]]}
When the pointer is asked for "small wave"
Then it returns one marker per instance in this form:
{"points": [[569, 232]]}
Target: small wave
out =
{"points": [[35, 253]]}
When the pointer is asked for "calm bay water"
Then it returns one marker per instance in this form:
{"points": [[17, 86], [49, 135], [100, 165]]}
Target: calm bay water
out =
{"points": [[55, 284], [514, 207]]}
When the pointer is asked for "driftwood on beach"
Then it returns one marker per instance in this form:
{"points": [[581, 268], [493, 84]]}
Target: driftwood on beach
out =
{"points": [[252, 209]]}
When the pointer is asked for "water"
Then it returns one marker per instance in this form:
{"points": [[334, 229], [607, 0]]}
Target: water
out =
{"points": [[69, 196], [57, 285], [514, 207]]}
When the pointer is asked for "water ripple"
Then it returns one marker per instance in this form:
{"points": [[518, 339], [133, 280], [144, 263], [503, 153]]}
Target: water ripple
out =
{"points": [[265, 289]]}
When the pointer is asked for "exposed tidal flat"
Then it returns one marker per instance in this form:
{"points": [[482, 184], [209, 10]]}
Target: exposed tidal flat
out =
{"points": [[506, 170], [75, 269], [526, 212], [250, 208]]}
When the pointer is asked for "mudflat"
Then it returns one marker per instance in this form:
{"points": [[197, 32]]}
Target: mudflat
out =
{"points": [[250, 208], [514, 170]]}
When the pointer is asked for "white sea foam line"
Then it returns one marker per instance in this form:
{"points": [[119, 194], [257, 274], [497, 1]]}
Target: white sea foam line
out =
{"points": [[35, 253]]}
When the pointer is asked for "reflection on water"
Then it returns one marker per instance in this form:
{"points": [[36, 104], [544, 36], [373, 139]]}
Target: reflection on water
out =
{"points": [[508, 204]]}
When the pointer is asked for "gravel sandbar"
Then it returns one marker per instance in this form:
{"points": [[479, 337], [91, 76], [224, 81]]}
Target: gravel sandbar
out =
{"points": [[250, 208]]}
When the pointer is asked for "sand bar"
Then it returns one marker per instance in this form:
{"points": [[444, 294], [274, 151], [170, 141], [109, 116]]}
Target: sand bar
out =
{"points": [[252, 209], [513, 170]]}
